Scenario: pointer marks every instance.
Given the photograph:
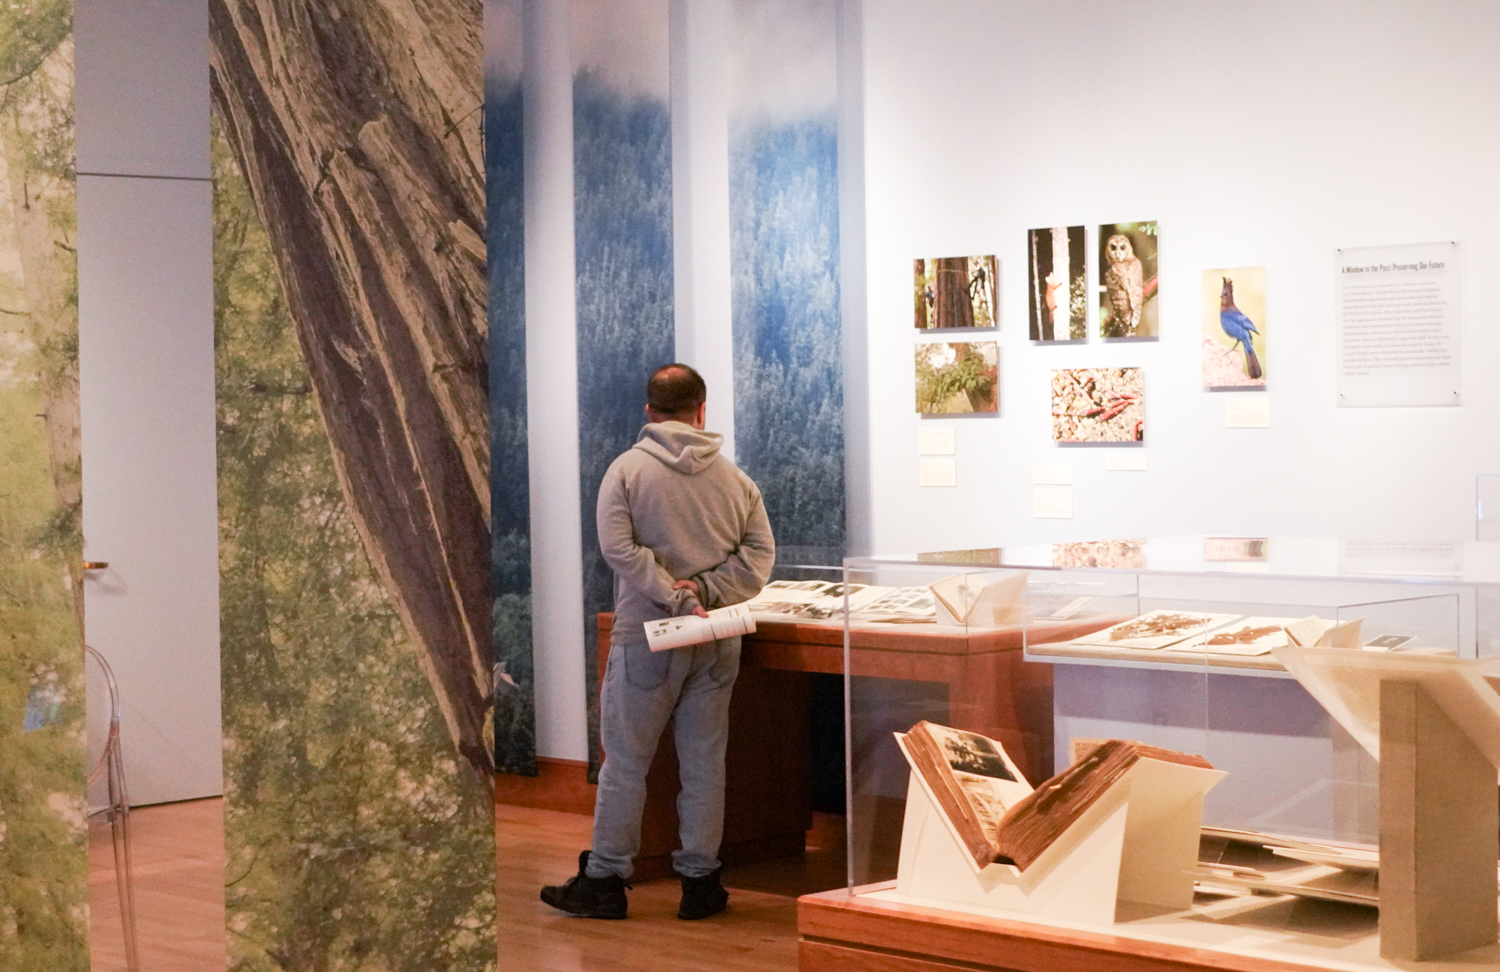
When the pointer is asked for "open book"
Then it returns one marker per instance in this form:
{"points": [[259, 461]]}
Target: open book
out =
{"points": [[726, 622], [981, 600], [997, 816]]}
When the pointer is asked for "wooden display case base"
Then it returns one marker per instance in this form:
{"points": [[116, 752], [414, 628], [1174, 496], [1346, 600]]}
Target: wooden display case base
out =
{"points": [[864, 932]]}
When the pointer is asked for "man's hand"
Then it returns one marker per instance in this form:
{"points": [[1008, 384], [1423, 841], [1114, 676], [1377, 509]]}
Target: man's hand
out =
{"points": [[692, 586]]}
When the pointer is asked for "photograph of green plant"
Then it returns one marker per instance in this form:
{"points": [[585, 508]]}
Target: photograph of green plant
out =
{"points": [[43, 852], [350, 327], [957, 378]]}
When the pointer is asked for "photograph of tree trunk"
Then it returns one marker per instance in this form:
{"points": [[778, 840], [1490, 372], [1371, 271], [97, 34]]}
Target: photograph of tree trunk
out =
{"points": [[354, 484], [1058, 291], [955, 292], [43, 852]]}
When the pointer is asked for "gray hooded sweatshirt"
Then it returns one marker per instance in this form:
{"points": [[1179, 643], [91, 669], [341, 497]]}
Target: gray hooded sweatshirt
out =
{"points": [[672, 508]]}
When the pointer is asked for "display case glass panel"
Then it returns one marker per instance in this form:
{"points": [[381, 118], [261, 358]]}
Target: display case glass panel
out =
{"points": [[1043, 652]]}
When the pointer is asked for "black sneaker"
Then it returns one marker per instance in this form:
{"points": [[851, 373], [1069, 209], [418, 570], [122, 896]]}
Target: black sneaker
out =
{"points": [[588, 897], [702, 897]]}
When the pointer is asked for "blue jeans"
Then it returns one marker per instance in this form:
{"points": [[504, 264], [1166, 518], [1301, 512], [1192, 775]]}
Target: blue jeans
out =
{"points": [[642, 691]]}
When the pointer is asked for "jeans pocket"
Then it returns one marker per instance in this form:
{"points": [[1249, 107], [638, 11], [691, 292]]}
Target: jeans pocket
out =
{"points": [[645, 669], [726, 666]]}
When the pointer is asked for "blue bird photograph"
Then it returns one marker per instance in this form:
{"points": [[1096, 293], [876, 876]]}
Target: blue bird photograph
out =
{"points": [[1234, 328]]}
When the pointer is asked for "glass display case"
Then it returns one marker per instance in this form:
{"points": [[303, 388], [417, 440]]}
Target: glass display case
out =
{"points": [[1182, 644]]}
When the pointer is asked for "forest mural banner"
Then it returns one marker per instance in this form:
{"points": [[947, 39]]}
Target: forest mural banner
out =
{"points": [[784, 259], [43, 850], [622, 231], [510, 490], [354, 483]]}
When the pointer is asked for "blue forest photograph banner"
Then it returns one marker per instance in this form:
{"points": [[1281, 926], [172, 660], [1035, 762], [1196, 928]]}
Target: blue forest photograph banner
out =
{"points": [[784, 260], [622, 231]]}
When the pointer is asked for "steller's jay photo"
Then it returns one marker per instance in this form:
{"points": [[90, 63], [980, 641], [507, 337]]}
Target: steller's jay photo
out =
{"points": [[1238, 326]]}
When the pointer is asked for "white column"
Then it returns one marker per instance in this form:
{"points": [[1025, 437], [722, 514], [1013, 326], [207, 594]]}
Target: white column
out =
{"points": [[853, 282], [146, 383], [552, 383], [700, 201]]}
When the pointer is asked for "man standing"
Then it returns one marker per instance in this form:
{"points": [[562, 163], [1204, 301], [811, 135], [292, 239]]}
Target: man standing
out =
{"points": [[683, 529]]}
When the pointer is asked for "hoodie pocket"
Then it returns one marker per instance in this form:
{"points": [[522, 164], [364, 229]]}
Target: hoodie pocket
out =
{"points": [[646, 669]]}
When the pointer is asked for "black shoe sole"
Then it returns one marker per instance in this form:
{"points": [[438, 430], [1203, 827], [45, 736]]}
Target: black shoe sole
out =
{"points": [[584, 912], [708, 914]]}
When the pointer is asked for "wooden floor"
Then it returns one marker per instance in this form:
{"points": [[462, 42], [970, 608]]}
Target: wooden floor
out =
{"points": [[178, 856], [179, 864]]}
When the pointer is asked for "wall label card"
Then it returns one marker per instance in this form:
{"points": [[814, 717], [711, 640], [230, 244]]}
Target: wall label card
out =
{"points": [[940, 440], [1125, 462], [937, 472], [1052, 503], [1052, 473], [1399, 319], [1247, 412]]}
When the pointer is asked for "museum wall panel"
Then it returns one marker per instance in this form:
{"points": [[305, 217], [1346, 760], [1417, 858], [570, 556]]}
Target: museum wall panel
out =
{"points": [[142, 106], [354, 484], [146, 351], [1261, 137]]}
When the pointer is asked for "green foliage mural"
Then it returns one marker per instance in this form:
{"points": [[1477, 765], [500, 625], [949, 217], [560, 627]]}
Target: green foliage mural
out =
{"points": [[357, 838], [43, 853]]}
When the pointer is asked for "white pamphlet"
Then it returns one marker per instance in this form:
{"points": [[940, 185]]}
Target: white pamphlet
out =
{"points": [[690, 629]]}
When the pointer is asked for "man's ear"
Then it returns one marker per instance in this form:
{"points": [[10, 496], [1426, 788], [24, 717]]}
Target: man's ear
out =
{"points": [[702, 415]]}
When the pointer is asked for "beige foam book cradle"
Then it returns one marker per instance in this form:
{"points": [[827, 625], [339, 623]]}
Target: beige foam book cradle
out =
{"points": [[1136, 844], [981, 600]]}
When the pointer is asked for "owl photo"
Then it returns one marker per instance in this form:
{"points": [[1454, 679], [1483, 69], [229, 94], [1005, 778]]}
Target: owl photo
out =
{"points": [[1127, 280]]}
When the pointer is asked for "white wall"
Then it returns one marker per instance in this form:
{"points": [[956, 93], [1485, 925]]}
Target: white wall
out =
{"points": [[146, 362], [1258, 134]]}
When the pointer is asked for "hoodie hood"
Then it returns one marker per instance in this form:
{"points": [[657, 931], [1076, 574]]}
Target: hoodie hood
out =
{"points": [[680, 446]]}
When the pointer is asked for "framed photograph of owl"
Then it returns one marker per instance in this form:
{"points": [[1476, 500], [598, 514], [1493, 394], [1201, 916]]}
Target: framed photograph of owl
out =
{"points": [[1234, 328], [956, 292], [1058, 291], [1127, 280], [1098, 405], [957, 378]]}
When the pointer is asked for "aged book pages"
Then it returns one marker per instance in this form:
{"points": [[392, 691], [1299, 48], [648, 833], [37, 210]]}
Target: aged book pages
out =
{"points": [[981, 600], [997, 817]]}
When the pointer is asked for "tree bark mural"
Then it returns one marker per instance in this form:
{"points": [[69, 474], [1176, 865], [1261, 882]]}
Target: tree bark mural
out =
{"points": [[953, 308], [356, 125]]}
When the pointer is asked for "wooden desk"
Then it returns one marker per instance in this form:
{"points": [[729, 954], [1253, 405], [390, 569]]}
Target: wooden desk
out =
{"points": [[769, 762]]}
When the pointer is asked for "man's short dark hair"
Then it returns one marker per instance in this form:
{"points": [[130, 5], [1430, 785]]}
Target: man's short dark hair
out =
{"points": [[675, 389]]}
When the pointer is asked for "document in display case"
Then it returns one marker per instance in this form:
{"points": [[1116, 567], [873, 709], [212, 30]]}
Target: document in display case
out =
{"points": [[1166, 646]]}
